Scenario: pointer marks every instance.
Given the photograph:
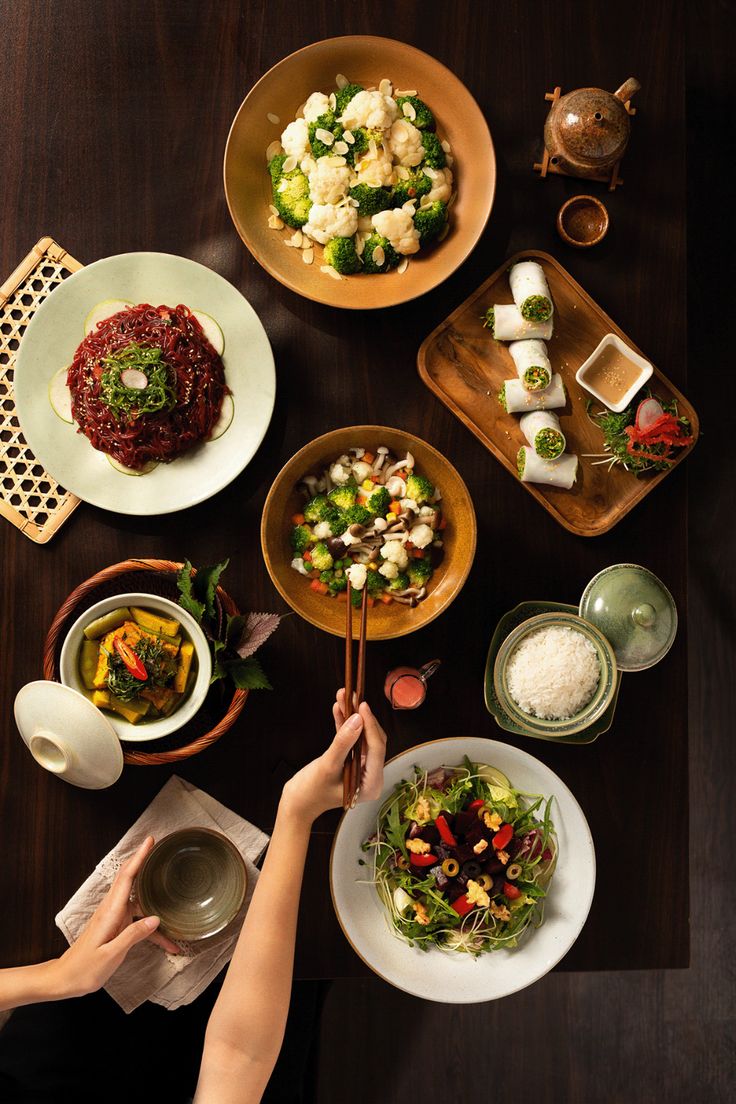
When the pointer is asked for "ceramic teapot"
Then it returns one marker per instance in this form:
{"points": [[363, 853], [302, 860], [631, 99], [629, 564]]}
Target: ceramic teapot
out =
{"points": [[587, 130]]}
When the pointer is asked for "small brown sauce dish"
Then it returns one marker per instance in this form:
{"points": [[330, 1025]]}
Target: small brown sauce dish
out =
{"points": [[582, 221]]}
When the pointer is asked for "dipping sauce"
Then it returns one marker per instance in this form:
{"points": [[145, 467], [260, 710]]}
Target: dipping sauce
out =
{"points": [[612, 374]]}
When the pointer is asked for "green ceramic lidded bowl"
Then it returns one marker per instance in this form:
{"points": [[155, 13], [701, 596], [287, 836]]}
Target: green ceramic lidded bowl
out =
{"points": [[602, 696], [195, 881]]}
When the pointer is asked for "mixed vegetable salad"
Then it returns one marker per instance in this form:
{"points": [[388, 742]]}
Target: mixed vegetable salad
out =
{"points": [[642, 438], [372, 519], [462, 860], [362, 172]]}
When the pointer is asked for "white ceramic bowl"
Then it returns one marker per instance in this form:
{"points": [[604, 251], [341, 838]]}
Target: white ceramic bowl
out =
{"points": [[445, 976], [645, 371], [152, 730]]}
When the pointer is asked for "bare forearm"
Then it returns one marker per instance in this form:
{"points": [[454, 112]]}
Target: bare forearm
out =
{"points": [[29, 984]]}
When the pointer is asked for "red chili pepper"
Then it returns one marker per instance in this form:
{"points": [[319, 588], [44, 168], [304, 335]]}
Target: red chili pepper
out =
{"points": [[502, 836], [475, 804], [423, 860], [462, 906], [511, 891], [133, 663], [444, 830]]}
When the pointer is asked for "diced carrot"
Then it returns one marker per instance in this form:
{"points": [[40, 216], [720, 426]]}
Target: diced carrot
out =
{"points": [[386, 598], [417, 553], [298, 519], [371, 603], [443, 523], [307, 556], [408, 546], [342, 596], [395, 507], [321, 588], [368, 457]]}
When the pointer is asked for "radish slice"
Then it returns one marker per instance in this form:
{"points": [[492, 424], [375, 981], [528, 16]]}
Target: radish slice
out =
{"points": [[212, 331], [106, 309], [130, 471], [223, 423], [649, 412], [134, 379], [60, 396]]}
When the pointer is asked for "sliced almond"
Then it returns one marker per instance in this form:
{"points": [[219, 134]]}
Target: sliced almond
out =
{"points": [[273, 149], [425, 201], [295, 239], [403, 265], [308, 256], [273, 118], [359, 244], [409, 206], [283, 185], [408, 111], [379, 256], [433, 174], [349, 137], [331, 272], [341, 147], [407, 92], [342, 82], [446, 146], [289, 164], [450, 160], [332, 100], [325, 136], [385, 87], [272, 209], [402, 172], [275, 222]]}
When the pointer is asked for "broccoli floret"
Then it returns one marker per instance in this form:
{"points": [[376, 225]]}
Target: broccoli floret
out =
{"points": [[320, 508], [301, 538], [390, 256], [419, 571], [326, 576], [343, 497], [415, 186], [362, 138], [340, 253], [424, 118], [419, 488], [430, 221], [379, 502], [345, 95], [375, 583], [328, 121], [401, 582], [355, 515], [356, 597], [338, 585], [321, 558], [292, 202], [434, 155], [371, 200]]}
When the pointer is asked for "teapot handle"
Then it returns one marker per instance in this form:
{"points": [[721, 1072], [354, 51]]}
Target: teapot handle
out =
{"points": [[628, 89]]}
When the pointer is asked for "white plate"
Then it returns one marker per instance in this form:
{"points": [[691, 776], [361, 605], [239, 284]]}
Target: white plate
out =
{"points": [[51, 340], [455, 978]]}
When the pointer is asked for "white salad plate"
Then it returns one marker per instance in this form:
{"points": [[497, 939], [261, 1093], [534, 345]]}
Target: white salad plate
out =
{"points": [[51, 340], [449, 976]]}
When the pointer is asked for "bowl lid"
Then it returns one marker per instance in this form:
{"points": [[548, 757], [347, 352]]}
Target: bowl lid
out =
{"points": [[635, 611], [67, 735]]}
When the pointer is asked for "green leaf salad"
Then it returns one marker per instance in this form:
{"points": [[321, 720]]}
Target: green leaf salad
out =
{"points": [[462, 860]]}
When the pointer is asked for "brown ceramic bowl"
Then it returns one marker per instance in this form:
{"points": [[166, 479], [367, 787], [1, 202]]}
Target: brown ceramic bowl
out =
{"points": [[366, 60], [582, 221], [384, 621]]}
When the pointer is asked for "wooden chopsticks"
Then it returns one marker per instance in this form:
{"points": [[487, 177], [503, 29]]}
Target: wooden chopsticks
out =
{"points": [[353, 697]]}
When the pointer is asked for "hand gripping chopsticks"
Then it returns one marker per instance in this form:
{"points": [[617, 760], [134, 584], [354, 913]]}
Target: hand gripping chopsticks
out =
{"points": [[353, 763]]}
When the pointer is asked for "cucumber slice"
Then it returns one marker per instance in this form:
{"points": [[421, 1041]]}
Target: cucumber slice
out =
{"points": [[130, 471], [60, 396], [105, 624], [212, 331], [493, 776], [223, 423], [104, 310]]}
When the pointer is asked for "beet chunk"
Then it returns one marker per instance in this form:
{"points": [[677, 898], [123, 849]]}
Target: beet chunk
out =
{"points": [[429, 833]]}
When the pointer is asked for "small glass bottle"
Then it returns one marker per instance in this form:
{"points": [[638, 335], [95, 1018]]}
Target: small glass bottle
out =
{"points": [[406, 687]]}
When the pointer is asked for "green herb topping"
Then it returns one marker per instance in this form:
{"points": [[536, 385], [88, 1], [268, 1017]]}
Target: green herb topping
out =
{"points": [[158, 394]]}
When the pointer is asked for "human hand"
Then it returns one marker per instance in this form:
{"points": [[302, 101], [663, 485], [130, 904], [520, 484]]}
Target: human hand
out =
{"points": [[110, 934], [318, 786]]}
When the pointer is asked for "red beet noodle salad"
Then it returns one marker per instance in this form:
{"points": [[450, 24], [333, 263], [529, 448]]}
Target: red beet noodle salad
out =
{"points": [[146, 385]]}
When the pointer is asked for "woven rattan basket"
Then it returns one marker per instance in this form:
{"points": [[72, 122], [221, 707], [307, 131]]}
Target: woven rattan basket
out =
{"points": [[219, 711]]}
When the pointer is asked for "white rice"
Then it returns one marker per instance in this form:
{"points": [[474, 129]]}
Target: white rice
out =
{"points": [[553, 673]]}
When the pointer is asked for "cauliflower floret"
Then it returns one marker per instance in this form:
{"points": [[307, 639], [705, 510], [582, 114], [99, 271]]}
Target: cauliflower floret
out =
{"points": [[295, 139], [405, 143], [316, 105], [395, 553], [370, 109], [339, 474], [357, 574], [361, 470], [441, 185], [376, 168], [322, 530], [389, 570], [298, 564], [398, 227], [327, 221], [420, 536], [329, 182]]}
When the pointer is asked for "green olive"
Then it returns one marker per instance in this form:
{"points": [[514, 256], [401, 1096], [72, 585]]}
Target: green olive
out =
{"points": [[450, 867], [482, 810], [485, 881], [513, 871], [402, 863]]}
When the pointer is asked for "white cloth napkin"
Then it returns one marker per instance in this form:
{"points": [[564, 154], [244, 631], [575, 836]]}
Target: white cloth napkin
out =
{"points": [[148, 972]]}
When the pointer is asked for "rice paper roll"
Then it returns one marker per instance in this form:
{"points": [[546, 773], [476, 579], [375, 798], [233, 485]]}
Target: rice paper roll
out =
{"points": [[554, 473], [530, 290], [532, 363], [506, 323], [542, 430], [514, 397]]}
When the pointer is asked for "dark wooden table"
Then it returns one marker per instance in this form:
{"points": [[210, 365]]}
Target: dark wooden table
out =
{"points": [[113, 120]]}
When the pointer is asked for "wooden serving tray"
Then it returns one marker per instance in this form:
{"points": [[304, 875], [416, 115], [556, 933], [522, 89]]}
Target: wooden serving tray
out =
{"points": [[463, 365]]}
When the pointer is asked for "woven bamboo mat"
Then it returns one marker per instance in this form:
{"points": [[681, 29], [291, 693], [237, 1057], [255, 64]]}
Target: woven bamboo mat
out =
{"points": [[29, 498]]}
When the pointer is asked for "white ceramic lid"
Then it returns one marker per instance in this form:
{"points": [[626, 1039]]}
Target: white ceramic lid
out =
{"points": [[67, 735]]}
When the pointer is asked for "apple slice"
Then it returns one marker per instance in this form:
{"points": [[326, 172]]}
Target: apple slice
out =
{"points": [[223, 423], [104, 310], [60, 396], [212, 331], [130, 471]]}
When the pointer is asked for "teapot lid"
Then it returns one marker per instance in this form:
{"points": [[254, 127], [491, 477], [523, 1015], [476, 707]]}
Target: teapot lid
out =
{"points": [[634, 611], [593, 125]]}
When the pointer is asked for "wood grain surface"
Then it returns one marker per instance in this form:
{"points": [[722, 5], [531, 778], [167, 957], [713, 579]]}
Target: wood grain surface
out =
{"points": [[113, 124]]}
